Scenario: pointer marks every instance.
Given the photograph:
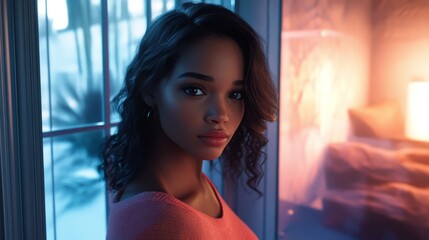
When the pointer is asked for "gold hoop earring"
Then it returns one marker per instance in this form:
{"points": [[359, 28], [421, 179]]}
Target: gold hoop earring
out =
{"points": [[149, 114]]}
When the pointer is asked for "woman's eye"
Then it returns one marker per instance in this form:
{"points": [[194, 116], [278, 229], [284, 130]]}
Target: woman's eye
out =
{"points": [[237, 95], [193, 91]]}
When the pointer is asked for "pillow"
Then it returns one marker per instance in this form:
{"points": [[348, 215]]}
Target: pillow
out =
{"points": [[383, 120]]}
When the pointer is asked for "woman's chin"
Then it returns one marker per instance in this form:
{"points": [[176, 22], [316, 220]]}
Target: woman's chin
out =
{"points": [[211, 156]]}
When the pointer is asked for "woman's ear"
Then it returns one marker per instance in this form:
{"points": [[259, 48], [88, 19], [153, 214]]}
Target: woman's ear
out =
{"points": [[149, 99]]}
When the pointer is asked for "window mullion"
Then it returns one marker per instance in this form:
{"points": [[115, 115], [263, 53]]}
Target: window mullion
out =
{"points": [[148, 12], [106, 77], [105, 57]]}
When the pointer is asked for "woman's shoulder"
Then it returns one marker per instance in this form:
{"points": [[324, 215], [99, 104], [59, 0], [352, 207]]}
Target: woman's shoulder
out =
{"points": [[153, 214]]}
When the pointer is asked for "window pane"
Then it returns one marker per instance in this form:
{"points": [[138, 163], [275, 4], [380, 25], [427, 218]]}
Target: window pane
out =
{"points": [[75, 195], [48, 178], [44, 70], [213, 1], [113, 130], [161, 6], [71, 66], [127, 25]]}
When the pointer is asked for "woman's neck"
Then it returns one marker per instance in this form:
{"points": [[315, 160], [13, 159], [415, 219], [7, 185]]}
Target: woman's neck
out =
{"points": [[169, 169], [180, 177], [178, 174]]}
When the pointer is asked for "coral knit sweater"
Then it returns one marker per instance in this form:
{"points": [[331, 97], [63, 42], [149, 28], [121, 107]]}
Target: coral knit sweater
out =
{"points": [[158, 215]]}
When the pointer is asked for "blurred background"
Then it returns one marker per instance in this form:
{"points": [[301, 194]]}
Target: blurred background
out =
{"points": [[351, 147]]}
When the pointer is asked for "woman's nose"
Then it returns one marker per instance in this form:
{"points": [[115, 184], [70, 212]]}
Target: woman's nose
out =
{"points": [[217, 113]]}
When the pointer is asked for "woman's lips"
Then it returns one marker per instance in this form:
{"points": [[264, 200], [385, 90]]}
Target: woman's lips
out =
{"points": [[214, 138]]}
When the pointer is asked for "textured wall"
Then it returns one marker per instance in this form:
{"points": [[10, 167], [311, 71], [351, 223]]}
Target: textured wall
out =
{"points": [[324, 71], [400, 51], [339, 54]]}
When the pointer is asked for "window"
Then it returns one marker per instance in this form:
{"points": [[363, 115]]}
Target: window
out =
{"points": [[77, 87]]}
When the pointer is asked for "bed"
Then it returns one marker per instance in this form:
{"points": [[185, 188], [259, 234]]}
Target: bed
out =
{"points": [[377, 189]]}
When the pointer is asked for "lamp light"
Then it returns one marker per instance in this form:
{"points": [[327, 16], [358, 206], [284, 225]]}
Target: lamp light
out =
{"points": [[417, 123]]}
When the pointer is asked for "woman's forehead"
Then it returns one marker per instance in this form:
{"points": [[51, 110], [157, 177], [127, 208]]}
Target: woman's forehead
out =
{"points": [[212, 54]]}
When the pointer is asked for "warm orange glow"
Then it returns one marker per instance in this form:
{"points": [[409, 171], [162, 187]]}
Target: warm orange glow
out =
{"points": [[418, 111]]}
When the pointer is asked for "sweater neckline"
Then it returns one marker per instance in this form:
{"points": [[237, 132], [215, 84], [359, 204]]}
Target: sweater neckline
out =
{"points": [[168, 198]]}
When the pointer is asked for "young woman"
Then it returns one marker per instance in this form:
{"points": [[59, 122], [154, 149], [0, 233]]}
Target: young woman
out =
{"points": [[198, 89]]}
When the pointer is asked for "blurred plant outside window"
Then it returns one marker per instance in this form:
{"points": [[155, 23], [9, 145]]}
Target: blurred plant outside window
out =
{"points": [[85, 47]]}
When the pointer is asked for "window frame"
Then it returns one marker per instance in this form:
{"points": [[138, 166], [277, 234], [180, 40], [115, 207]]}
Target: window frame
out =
{"points": [[22, 183], [265, 18]]}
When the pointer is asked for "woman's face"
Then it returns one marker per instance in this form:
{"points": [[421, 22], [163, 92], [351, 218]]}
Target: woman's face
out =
{"points": [[200, 104]]}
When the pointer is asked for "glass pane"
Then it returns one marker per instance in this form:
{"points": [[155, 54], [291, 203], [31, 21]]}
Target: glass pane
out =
{"points": [[75, 194], [161, 6], [219, 2], [127, 25], [49, 191], [338, 181], [113, 130], [71, 63], [44, 70]]}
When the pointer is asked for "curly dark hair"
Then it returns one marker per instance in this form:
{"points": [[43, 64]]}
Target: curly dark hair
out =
{"points": [[124, 152]]}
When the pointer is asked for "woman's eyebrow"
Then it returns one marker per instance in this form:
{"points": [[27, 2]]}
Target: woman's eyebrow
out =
{"points": [[198, 76], [207, 78], [238, 83]]}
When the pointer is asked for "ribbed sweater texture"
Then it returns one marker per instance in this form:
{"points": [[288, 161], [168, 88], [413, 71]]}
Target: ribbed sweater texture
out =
{"points": [[158, 215]]}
